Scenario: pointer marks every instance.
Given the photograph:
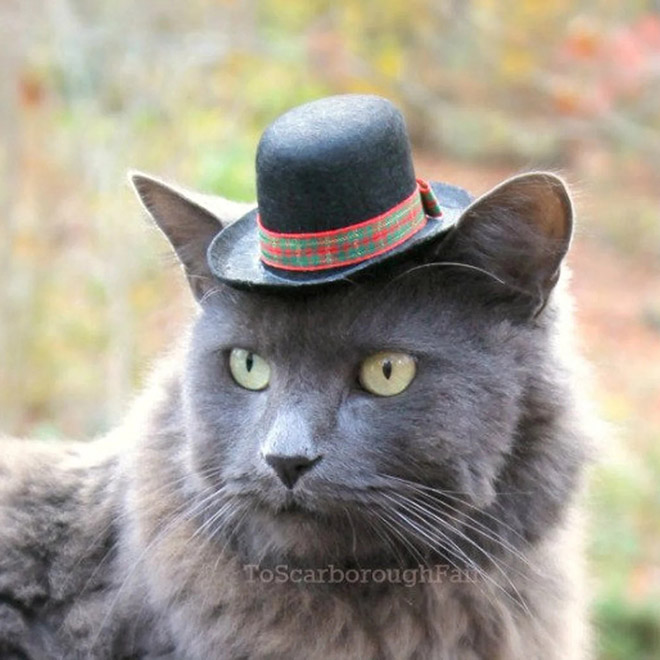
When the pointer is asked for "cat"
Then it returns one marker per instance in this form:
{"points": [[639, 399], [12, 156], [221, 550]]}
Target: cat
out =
{"points": [[442, 523]]}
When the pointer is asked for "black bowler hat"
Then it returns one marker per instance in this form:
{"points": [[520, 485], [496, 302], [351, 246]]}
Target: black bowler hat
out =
{"points": [[336, 194]]}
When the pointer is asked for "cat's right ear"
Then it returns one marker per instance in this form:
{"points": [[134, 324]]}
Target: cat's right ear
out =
{"points": [[518, 233], [189, 221]]}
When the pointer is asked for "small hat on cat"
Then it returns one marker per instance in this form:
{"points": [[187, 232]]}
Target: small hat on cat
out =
{"points": [[337, 194]]}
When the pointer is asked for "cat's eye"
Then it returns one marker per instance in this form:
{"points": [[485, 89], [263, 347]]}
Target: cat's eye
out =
{"points": [[248, 369], [387, 373]]}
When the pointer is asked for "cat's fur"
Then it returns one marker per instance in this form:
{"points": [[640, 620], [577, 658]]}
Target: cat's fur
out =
{"points": [[135, 546]]}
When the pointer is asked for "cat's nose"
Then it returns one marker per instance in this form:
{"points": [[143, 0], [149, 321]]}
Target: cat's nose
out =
{"points": [[290, 468]]}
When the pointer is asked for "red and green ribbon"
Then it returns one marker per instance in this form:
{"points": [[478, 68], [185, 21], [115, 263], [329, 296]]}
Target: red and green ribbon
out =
{"points": [[350, 245]]}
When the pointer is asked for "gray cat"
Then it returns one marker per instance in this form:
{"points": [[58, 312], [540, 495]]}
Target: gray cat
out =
{"points": [[438, 523]]}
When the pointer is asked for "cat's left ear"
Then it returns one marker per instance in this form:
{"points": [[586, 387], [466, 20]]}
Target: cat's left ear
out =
{"points": [[189, 220], [519, 232]]}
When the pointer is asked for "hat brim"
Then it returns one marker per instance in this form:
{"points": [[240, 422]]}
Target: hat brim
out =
{"points": [[234, 254]]}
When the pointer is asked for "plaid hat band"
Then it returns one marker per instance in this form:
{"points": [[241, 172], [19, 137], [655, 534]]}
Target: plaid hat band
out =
{"points": [[353, 244]]}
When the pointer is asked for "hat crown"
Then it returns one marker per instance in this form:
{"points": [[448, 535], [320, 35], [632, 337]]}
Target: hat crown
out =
{"points": [[333, 163]]}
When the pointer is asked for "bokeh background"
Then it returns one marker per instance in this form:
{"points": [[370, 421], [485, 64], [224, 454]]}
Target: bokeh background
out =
{"points": [[89, 299]]}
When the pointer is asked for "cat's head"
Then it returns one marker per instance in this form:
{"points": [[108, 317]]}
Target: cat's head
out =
{"points": [[411, 413]]}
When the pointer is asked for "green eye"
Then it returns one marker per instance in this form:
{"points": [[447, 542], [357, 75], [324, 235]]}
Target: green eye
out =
{"points": [[248, 369], [387, 373]]}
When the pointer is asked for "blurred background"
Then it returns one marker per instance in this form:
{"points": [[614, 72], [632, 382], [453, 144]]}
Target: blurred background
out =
{"points": [[89, 297]]}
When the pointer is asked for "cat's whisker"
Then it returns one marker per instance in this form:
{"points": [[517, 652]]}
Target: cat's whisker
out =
{"points": [[472, 523], [440, 544], [455, 264], [447, 491], [180, 514], [217, 515], [378, 526], [121, 514], [493, 560], [452, 494], [213, 525], [468, 521], [224, 522], [430, 539], [402, 507], [244, 510], [376, 512], [403, 538], [486, 580], [425, 511], [209, 294], [400, 534], [221, 523]]}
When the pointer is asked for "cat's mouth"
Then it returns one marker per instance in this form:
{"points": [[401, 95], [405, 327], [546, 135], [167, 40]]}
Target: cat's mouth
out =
{"points": [[294, 506], [291, 505], [276, 502]]}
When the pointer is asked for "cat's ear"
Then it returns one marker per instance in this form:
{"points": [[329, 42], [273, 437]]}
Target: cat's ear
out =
{"points": [[519, 232], [189, 221]]}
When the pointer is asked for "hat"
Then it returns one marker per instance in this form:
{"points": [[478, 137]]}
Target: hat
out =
{"points": [[336, 194]]}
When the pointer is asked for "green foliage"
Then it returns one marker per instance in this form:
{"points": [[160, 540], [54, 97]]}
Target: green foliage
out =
{"points": [[624, 551], [626, 630]]}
